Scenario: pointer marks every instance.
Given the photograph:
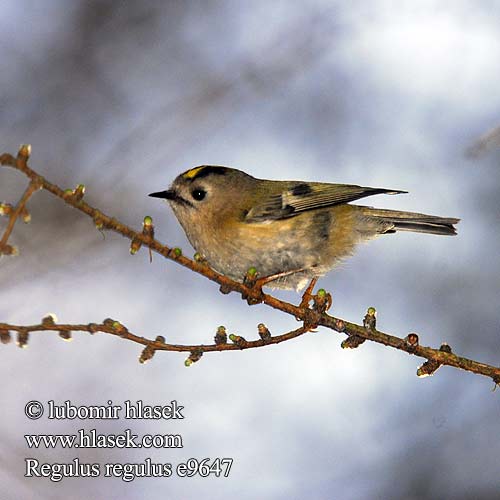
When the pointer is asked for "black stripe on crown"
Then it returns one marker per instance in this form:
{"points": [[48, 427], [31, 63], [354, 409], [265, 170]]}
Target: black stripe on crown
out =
{"points": [[204, 171]]}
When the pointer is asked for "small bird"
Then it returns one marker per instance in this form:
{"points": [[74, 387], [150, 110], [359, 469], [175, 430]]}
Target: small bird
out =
{"points": [[289, 231]]}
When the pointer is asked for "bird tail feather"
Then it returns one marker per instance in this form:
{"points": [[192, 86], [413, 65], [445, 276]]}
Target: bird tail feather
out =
{"points": [[412, 221]]}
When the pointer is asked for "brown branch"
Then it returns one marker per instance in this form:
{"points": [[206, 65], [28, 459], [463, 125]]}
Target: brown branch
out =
{"points": [[20, 207], [122, 332], [311, 317]]}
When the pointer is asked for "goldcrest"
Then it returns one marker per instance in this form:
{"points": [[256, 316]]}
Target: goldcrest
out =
{"points": [[289, 231]]}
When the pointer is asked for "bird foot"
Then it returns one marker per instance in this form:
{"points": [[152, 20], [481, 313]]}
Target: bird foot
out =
{"points": [[252, 281], [307, 296]]}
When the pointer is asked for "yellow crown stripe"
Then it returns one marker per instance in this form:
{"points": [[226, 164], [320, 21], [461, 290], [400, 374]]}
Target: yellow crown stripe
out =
{"points": [[190, 174]]}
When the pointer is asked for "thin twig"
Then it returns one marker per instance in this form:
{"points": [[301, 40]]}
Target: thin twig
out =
{"points": [[32, 187], [159, 346]]}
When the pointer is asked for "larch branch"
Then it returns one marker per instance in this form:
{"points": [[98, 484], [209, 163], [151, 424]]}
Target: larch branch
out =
{"points": [[310, 317]]}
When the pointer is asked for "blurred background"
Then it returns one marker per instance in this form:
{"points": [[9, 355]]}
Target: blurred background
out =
{"points": [[123, 96]]}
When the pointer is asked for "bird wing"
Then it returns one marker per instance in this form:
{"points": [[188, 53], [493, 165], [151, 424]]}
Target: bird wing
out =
{"points": [[299, 197]]}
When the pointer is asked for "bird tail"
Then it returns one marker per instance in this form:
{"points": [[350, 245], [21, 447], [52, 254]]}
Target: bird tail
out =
{"points": [[394, 220]]}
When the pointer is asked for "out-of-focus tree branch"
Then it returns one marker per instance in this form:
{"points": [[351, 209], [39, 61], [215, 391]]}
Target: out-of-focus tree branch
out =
{"points": [[311, 316], [484, 144]]}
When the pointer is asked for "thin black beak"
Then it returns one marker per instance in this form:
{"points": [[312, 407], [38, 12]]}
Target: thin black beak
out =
{"points": [[169, 194]]}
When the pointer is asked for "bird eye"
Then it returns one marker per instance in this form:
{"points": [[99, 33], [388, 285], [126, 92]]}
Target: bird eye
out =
{"points": [[198, 194]]}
